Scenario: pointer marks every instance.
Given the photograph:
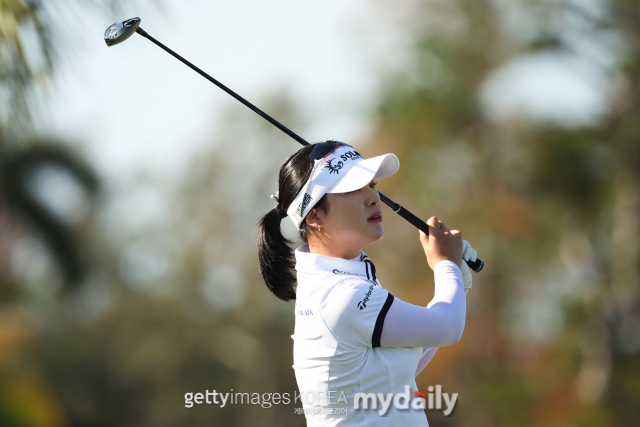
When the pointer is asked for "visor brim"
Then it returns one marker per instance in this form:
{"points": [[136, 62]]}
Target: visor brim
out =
{"points": [[364, 172]]}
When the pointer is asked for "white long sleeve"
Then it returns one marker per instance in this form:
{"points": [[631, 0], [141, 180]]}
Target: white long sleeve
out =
{"points": [[428, 353], [440, 323]]}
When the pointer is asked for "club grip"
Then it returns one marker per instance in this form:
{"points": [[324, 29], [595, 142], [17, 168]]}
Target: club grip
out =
{"points": [[476, 265]]}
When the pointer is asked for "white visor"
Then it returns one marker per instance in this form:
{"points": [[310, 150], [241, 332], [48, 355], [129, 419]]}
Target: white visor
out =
{"points": [[341, 171]]}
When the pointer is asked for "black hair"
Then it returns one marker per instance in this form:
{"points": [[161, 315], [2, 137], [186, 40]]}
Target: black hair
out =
{"points": [[277, 261]]}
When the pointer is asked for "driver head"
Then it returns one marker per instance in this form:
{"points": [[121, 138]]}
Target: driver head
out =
{"points": [[120, 31]]}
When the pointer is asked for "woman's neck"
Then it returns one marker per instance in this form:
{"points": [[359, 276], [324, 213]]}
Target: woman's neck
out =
{"points": [[320, 247]]}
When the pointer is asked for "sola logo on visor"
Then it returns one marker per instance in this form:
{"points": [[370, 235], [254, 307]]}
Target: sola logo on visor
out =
{"points": [[334, 168], [349, 155]]}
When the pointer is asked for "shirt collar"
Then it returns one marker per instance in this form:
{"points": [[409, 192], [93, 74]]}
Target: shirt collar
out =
{"points": [[309, 263]]}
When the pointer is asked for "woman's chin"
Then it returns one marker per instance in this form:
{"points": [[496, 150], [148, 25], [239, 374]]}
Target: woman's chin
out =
{"points": [[377, 234]]}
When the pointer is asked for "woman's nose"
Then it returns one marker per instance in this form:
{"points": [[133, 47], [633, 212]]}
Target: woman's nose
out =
{"points": [[375, 199]]}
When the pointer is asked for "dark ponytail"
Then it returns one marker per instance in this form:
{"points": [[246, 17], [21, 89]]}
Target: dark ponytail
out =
{"points": [[277, 261]]}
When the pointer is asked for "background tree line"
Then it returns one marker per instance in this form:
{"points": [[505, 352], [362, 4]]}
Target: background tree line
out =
{"points": [[110, 324]]}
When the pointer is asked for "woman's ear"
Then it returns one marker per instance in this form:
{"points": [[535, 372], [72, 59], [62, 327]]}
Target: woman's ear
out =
{"points": [[315, 218]]}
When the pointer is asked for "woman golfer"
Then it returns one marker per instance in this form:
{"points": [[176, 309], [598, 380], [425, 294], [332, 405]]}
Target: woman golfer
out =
{"points": [[352, 337]]}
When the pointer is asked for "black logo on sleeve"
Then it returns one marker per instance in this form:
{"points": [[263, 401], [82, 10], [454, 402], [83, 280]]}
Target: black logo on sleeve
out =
{"points": [[362, 304]]}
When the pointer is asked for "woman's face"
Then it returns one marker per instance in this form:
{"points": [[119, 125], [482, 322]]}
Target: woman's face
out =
{"points": [[353, 221]]}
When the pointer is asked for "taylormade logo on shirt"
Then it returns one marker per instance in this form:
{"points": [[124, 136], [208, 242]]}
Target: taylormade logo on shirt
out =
{"points": [[362, 304]]}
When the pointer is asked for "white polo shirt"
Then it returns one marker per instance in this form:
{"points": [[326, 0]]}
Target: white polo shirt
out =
{"points": [[339, 315]]}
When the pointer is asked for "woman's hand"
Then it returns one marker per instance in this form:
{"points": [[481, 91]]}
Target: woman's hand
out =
{"points": [[441, 244]]}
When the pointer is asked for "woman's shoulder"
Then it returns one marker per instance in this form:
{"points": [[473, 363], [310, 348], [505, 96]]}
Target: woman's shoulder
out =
{"points": [[349, 284], [351, 308], [352, 291], [326, 285]]}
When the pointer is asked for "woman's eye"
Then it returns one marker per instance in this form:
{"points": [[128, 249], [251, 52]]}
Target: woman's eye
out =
{"points": [[373, 184]]}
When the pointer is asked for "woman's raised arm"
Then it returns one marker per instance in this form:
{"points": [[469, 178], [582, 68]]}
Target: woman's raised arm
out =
{"points": [[442, 321], [439, 323]]}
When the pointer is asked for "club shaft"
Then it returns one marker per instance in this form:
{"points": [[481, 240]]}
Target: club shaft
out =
{"points": [[404, 213], [226, 89]]}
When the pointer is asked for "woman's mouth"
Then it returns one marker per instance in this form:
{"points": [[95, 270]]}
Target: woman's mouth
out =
{"points": [[375, 218]]}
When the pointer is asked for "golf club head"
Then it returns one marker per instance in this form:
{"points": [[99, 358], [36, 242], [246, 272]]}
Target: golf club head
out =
{"points": [[120, 31]]}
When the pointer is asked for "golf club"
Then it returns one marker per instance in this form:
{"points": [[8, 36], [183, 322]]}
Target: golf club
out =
{"points": [[120, 31]]}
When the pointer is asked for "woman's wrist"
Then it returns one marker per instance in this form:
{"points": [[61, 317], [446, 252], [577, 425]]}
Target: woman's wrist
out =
{"points": [[446, 267], [447, 262]]}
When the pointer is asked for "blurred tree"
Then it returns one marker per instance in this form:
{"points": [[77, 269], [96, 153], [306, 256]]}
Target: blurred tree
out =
{"points": [[178, 305], [29, 168], [17, 189], [553, 208], [28, 35], [26, 59]]}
